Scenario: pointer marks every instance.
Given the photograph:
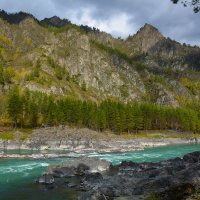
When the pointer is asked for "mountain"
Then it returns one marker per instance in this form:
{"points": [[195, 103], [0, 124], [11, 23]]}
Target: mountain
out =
{"points": [[15, 18], [55, 21], [60, 58], [163, 51]]}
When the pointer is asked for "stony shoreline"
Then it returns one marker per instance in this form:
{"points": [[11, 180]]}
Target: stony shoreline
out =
{"points": [[94, 179], [80, 141]]}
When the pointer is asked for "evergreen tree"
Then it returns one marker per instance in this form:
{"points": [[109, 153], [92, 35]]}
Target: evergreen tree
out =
{"points": [[102, 124], [33, 115], [35, 108], [130, 124], [15, 106], [138, 118]]}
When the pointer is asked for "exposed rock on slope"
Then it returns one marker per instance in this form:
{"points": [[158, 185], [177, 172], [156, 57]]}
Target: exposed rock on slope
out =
{"points": [[84, 63], [55, 21], [163, 51], [147, 37]]}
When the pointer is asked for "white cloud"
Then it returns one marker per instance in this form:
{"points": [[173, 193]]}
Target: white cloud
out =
{"points": [[117, 25], [118, 17]]}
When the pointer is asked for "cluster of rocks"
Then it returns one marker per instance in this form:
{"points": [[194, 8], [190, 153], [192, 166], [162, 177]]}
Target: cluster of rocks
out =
{"points": [[172, 179], [81, 141]]}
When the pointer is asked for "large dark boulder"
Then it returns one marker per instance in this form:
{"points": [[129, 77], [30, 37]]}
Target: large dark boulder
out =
{"points": [[192, 157], [178, 192], [80, 166], [45, 179], [92, 178], [81, 169], [63, 172], [173, 179]]}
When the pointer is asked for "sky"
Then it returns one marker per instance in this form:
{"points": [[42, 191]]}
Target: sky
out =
{"points": [[118, 17]]}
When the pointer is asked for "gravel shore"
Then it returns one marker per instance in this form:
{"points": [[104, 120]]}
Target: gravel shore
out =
{"points": [[80, 141]]}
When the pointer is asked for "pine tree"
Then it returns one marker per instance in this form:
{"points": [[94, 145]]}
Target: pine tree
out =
{"points": [[138, 118], [102, 120], [147, 113], [33, 114], [130, 124], [15, 106]]}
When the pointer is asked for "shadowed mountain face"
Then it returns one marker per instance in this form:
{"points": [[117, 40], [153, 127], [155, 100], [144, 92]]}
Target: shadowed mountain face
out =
{"points": [[163, 51], [15, 18], [146, 38], [55, 21], [60, 58]]}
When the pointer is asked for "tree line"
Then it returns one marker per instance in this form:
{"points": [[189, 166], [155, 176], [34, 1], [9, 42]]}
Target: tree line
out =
{"points": [[33, 109]]}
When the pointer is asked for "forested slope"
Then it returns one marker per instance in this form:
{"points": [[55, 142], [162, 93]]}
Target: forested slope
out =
{"points": [[54, 72]]}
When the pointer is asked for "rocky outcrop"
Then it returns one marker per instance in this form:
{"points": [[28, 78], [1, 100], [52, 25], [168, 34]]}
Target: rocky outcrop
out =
{"points": [[172, 179], [80, 141], [107, 67], [46, 179], [80, 166], [55, 21], [15, 18], [146, 38], [163, 51]]}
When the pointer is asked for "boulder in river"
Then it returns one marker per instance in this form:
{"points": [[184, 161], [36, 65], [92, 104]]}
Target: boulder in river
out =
{"points": [[46, 179], [79, 167], [173, 179]]}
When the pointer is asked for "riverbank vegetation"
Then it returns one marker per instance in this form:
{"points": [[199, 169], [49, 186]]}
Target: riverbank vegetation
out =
{"points": [[34, 109]]}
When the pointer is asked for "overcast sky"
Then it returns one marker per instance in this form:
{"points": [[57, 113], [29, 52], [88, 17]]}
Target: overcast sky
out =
{"points": [[118, 17]]}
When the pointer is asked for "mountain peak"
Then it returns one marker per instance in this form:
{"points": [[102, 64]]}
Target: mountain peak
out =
{"points": [[55, 21], [149, 30], [15, 18], [149, 26], [147, 37]]}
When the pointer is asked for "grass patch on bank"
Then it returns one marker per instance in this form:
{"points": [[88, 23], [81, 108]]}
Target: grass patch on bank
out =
{"points": [[25, 133], [12, 134], [7, 136], [157, 134]]}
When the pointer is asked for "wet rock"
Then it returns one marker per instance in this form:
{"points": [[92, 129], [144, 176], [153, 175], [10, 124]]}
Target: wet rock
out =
{"points": [[192, 157], [178, 192], [60, 172], [173, 179], [91, 181], [92, 178], [81, 169], [46, 179], [71, 185]]}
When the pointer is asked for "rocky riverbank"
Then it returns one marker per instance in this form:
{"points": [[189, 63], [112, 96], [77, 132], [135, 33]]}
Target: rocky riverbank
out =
{"points": [[94, 179], [80, 141]]}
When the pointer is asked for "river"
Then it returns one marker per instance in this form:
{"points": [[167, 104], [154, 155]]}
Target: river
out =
{"points": [[17, 176]]}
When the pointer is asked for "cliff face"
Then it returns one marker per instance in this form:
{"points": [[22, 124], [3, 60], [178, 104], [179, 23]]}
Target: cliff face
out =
{"points": [[146, 38], [55, 56], [163, 51], [55, 21]]}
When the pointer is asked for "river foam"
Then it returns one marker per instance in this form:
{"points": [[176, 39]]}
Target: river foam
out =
{"points": [[16, 173]]}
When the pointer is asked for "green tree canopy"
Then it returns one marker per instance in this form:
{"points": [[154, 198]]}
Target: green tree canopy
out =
{"points": [[15, 106]]}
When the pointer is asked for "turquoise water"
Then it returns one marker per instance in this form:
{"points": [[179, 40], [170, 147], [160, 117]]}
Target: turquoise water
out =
{"points": [[17, 176]]}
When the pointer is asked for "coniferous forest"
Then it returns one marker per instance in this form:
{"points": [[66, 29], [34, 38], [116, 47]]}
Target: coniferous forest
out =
{"points": [[34, 109]]}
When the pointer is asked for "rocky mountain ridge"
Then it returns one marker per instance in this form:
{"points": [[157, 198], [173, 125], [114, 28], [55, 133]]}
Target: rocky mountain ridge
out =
{"points": [[162, 51], [57, 57]]}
